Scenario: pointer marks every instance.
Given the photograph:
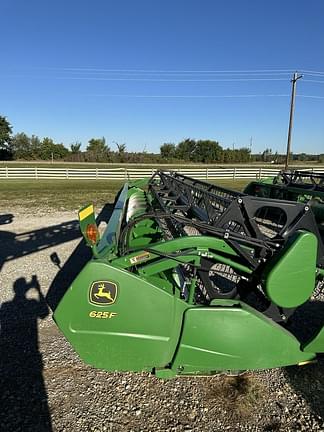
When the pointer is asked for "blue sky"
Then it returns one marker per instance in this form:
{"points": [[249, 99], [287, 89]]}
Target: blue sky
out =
{"points": [[147, 72]]}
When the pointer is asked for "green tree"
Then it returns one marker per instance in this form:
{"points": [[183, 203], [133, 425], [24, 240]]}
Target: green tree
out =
{"points": [[60, 151], [207, 151], [242, 155], [49, 150], [168, 151], [186, 150], [75, 148], [35, 147], [5, 139], [121, 149], [76, 154], [228, 155], [97, 150], [21, 146], [267, 155]]}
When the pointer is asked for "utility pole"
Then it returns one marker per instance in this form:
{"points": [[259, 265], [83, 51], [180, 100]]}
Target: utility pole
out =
{"points": [[251, 139], [295, 78]]}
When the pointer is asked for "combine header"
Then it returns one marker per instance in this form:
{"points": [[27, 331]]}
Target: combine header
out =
{"points": [[301, 186], [190, 278]]}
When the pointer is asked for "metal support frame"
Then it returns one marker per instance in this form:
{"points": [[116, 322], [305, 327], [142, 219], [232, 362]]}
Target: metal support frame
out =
{"points": [[233, 213]]}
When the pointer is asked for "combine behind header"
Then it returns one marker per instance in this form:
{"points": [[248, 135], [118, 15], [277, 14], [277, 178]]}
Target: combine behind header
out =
{"points": [[190, 278]]}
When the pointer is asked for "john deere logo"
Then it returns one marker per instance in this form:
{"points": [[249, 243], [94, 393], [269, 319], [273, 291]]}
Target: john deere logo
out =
{"points": [[103, 293]]}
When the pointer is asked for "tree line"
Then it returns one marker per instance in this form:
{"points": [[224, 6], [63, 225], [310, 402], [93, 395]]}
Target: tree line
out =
{"points": [[203, 151], [23, 147], [268, 156]]}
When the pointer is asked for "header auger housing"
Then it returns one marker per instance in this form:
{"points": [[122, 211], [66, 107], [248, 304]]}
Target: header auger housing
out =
{"points": [[191, 278]]}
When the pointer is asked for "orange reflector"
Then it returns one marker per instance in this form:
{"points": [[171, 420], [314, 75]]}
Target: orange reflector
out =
{"points": [[92, 233]]}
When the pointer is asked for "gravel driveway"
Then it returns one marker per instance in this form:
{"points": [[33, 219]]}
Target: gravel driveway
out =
{"points": [[45, 387]]}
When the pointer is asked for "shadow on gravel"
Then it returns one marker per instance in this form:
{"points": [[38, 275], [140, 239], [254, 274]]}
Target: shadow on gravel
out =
{"points": [[17, 245], [308, 380], [6, 219], [78, 259], [23, 398]]}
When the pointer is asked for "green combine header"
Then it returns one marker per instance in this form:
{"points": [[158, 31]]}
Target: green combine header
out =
{"points": [[190, 278], [296, 185]]}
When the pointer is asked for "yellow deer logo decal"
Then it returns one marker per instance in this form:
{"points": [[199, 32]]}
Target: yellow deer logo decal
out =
{"points": [[103, 293]]}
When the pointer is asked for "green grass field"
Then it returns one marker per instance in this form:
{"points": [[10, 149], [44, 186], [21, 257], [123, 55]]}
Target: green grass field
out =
{"points": [[68, 194]]}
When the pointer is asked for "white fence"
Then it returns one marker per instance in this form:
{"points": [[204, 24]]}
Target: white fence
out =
{"points": [[134, 173]]}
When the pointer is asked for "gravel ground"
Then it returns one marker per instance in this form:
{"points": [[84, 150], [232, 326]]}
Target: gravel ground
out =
{"points": [[45, 387]]}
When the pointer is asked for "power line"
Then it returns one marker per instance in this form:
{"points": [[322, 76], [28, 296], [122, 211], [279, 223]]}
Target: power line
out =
{"points": [[170, 70], [181, 71], [188, 96], [310, 72], [313, 75], [314, 81], [310, 96], [238, 74], [169, 80]]}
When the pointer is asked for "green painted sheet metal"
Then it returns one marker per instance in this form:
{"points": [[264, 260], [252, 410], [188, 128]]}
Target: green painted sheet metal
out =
{"points": [[140, 183], [144, 332], [234, 338], [290, 278], [316, 344], [145, 329]]}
